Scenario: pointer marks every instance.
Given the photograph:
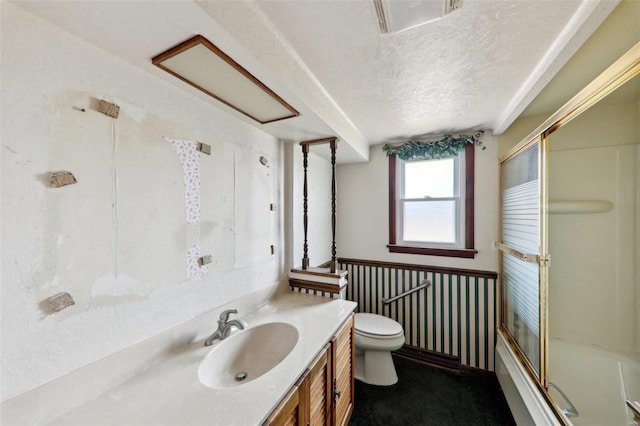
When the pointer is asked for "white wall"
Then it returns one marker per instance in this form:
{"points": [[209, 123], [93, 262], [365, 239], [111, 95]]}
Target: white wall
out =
{"points": [[116, 240], [363, 206]]}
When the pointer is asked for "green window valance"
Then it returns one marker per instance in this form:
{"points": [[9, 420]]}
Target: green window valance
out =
{"points": [[448, 146]]}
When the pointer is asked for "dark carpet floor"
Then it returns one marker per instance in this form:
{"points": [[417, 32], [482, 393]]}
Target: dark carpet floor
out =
{"points": [[425, 395]]}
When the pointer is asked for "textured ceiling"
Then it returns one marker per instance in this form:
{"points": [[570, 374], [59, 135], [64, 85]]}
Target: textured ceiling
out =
{"points": [[456, 73], [478, 67]]}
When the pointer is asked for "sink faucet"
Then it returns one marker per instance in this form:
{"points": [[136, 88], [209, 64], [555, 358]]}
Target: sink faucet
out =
{"points": [[224, 326]]}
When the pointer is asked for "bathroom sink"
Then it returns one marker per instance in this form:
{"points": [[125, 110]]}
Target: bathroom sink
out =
{"points": [[247, 355]]}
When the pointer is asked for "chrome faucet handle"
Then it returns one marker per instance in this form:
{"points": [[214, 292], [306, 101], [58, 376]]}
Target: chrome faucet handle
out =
{"points": [[224, 316]]}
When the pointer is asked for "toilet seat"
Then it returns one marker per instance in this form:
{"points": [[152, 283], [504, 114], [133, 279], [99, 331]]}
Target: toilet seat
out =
{"points": [[376, 326]]}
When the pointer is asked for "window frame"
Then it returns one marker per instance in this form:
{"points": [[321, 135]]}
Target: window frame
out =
{"points": [[468, 250], [458, 198]]}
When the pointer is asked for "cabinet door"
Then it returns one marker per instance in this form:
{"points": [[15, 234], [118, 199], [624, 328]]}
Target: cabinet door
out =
{"points": [[288, 412], [342, 356], [319, 390]]}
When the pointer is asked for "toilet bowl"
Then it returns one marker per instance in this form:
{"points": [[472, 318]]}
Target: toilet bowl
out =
{"points": [[375, 337]]}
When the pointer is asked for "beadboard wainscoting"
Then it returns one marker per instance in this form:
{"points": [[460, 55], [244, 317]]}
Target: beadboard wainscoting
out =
{"points": [[455, 316], [315, 292]]}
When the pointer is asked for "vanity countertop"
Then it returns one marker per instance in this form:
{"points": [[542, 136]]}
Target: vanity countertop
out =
{"points": [[169, 393]]}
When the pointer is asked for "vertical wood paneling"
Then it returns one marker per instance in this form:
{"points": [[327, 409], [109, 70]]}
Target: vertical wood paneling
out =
{"points": [[455, 316], [433, 312], [304, 290], [458, 318], [486, 319]]}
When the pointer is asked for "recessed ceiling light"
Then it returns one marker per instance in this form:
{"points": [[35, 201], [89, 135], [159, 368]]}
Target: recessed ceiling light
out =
{"points": [[201, 64], [399, 15]]}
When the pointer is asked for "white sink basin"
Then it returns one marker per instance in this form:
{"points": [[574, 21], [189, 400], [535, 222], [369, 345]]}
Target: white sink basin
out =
{"points": [[247, 355]]}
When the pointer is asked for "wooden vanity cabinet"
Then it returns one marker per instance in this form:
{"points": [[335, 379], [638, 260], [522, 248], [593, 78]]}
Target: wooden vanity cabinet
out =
{"points": [[323, 395], [343, 357], [316, 390], [288, 412]]}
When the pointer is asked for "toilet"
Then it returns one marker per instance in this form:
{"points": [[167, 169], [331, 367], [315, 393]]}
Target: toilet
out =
{"points": [[375, 337]]}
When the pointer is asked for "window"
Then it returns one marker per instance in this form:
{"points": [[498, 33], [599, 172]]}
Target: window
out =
{"points": [[431, 206]]}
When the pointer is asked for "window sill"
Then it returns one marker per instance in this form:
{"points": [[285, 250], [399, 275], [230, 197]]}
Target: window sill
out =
{"points": [[464, 253]]}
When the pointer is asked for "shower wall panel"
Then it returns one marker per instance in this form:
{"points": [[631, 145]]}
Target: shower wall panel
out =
{"points": [[593, 291]]}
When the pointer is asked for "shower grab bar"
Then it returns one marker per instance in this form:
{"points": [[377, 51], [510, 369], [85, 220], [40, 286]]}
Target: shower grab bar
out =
{"points": [[569, 412], [526, 257], [424, 284]]}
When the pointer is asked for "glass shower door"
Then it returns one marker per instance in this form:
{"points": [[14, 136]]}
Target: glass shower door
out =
{"points": [[520, 250]]}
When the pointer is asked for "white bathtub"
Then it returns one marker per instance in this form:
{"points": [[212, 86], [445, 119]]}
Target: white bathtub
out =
{"points": [[597, 382]]}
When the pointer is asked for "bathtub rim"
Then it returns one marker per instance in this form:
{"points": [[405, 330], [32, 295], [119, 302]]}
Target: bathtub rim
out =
{"points": [[528, 404], [601, 351], [600, 359]]}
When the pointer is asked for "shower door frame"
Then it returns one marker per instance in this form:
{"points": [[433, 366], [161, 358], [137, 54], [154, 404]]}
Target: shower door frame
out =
{"points": [[621, 71], [541, 378]]}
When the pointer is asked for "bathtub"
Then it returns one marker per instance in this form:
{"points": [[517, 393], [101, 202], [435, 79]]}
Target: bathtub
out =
{"points": [[595, 381]]}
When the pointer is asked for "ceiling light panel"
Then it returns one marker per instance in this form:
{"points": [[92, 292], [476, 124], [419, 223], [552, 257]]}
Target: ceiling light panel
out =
{"points": [[399, 15], [201, 64]]}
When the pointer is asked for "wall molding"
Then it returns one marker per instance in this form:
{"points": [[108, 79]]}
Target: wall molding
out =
{"points": [[422, 268], [431, 358]]}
